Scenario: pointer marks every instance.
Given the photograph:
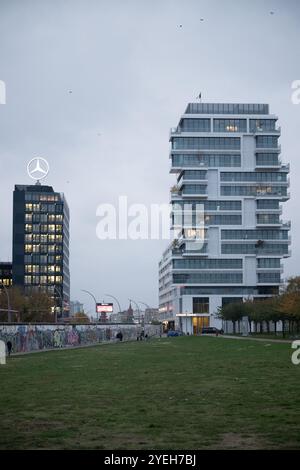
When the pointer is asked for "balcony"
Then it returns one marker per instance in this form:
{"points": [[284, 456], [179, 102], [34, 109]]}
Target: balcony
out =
{"points": [[268, 210], [260, 130], [268, 149], [173, 132], [286, 224], [285, 167], [269, 165]]}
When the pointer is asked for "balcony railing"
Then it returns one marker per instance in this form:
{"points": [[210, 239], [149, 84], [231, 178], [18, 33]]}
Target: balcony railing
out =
{"points": [[260, 130]]}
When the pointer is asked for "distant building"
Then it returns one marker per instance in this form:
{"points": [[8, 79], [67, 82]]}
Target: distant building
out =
{"points": [[5, 274], [76, 307], [151, 314], [130, 314], [41, 243]]}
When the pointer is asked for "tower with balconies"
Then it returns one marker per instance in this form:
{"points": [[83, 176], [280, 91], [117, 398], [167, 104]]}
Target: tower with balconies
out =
{"points": [[227, 161]]}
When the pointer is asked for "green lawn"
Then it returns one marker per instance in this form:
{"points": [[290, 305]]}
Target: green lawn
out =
{"points": [[175, 393]]}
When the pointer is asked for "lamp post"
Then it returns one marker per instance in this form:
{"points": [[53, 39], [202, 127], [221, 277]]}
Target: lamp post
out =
{"points": [[109, 295], [8, 302], [93, 297], [62, 302], [138, 309], [146, 305]]}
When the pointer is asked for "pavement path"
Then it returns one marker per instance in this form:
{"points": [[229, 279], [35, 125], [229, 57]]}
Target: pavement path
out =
{"points": [[271, 340]]}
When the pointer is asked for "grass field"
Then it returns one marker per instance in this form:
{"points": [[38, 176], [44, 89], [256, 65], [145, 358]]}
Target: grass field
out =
{"points": [[172, 393]]}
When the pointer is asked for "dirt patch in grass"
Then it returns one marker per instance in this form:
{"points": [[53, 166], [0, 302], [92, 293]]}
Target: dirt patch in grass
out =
{"points": [[232, 440]]}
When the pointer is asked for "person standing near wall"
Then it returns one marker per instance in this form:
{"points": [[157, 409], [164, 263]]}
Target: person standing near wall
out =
{"points": [[9, 347]]}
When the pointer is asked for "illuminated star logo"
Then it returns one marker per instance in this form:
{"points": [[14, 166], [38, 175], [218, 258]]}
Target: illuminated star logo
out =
{"points": [[38, 168]]}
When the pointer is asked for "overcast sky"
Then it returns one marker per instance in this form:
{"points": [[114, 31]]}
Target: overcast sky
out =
{"points": [[132, 70]]}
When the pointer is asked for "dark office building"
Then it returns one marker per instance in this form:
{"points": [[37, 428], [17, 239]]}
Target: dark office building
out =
{"points": [[41, 243], [5, 274]]}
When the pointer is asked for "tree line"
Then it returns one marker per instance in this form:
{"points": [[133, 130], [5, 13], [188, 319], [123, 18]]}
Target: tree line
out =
{"points": [[264, 312], [36, 306]]}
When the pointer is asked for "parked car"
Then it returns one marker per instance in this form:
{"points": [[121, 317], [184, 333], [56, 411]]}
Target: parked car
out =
{"points": [[211, 330], [174, 333]]}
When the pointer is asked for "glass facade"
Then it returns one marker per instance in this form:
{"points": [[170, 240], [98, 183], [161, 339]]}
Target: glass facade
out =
{"points": [[194, 175], [245, 238], [267, 159], [259, 176], [260, 125], [268, 263], [267, 204], [214, 160], [209, 263], [208, 278], [194, 189], [254, 234], [195, 125], [211, 205], [252, 249], [267, 219], [196, 143], [41, 243], [251, 190], [5, 274], [268, 278], [201, 305], [230, 125], [266, 141], [227, 108]]}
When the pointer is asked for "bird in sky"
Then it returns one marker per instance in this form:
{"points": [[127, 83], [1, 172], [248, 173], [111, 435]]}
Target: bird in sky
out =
{"points": [[70, 91], [201, 19], [180, 26], [272, 12]]}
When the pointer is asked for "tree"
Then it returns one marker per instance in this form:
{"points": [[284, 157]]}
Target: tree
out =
{"points": [[81, 317], [290, 303], [38, 307], [34, 307], [231, 312]]}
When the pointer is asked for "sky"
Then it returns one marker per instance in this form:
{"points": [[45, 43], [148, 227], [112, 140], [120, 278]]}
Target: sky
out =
{"points": [[132, 69]]}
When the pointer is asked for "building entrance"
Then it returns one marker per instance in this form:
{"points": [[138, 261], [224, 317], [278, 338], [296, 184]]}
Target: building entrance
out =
{"points": [[199, 323]]}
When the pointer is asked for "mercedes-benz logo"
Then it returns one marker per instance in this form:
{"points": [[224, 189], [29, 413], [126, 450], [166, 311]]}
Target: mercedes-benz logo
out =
{"points": [[38, 168]]}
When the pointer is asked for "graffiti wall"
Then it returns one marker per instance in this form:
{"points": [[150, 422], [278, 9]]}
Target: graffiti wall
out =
{"points": [[34, 337]]}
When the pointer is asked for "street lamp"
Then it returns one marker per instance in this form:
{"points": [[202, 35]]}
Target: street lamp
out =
{"points": [[62, 302], [109, 295], [146, 305], [138, 308], [93, 297]]}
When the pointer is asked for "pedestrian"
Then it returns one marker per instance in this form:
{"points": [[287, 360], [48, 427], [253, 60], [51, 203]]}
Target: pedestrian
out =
{"points": [[9, 347], [120, 336]]}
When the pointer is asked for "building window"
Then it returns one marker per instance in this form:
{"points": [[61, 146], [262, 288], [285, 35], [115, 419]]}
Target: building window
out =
{"points": [[200, 304], [230, 125], [195, 125], [195, 143], [260, 125], [266, 141]]}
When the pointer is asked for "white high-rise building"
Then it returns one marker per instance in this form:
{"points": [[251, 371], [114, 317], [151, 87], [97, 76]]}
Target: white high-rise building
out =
{"points": [[227, 161]]}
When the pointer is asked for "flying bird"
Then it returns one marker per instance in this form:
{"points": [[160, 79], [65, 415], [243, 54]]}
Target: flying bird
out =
{"points": [[272, 12], [201, 19], [180, 26], [70, 91]]}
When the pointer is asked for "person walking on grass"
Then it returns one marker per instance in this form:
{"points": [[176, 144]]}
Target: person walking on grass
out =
{"points": [[9, 347]]}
